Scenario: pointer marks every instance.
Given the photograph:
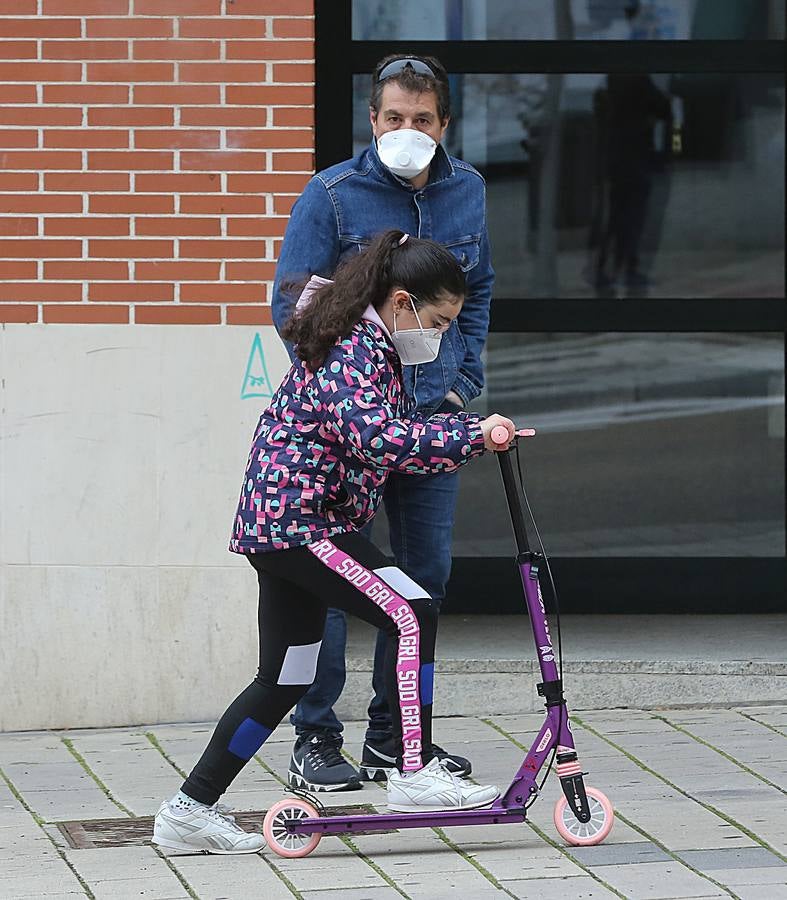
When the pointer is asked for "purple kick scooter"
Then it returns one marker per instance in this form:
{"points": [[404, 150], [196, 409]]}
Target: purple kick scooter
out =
{"points": [[583, 815]]}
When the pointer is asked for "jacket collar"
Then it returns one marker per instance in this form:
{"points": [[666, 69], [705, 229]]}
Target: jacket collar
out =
{"points": [[440, 167], [379, 334]]}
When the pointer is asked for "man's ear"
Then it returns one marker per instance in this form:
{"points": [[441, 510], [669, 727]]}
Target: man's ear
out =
{"points": [[372, 117]]}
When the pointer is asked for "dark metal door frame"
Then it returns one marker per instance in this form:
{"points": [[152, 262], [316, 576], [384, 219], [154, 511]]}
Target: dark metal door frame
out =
{"points": [[339, 57]]}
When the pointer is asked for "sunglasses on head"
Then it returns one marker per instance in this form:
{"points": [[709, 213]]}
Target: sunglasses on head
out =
{"points": [[399, 65]]}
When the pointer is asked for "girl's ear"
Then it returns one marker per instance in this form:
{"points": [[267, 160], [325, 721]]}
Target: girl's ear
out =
{"points": [[401, 301]]}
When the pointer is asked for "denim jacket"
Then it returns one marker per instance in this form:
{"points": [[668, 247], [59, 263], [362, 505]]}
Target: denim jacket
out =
{"points": [[345, 206], [325, 446]]}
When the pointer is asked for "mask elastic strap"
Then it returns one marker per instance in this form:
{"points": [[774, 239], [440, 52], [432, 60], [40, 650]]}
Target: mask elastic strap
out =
{"points": [[415, 311]]}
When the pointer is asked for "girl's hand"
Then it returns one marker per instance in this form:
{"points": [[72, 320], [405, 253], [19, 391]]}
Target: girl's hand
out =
{"points": [[492, 422]]}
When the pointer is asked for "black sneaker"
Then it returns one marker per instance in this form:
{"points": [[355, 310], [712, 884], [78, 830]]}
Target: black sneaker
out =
{"points": [[317, 765], [379, 757], [456, 765]]}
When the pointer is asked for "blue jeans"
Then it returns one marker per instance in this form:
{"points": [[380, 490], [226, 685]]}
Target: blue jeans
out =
{"points": [[420, 510]]}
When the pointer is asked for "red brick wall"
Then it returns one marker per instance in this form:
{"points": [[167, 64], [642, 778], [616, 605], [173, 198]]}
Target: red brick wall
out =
{"points": [[150, 151]]}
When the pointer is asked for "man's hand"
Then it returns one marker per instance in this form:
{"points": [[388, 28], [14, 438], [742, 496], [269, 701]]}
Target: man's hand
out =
{"points": [[453, 397]]}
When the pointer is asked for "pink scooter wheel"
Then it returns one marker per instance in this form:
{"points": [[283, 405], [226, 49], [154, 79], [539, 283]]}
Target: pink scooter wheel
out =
{"points": [[281, 841], [585, 834]]}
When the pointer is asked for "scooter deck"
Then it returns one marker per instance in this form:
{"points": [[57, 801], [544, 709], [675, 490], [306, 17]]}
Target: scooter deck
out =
{"points": [[491, 815]]}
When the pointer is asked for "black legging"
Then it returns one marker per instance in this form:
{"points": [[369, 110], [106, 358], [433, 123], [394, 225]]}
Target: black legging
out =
{"points": [[296, 588]]}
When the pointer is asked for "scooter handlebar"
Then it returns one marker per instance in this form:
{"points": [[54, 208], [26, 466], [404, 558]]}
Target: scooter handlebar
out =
{"points": [[499, 434]]}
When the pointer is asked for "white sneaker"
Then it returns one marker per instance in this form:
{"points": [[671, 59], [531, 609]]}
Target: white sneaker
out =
{"points": [[205, 828], [434, 788]]}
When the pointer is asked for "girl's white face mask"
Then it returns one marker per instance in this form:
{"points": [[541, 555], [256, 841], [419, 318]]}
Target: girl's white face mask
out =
{"points": [[416, 345], [405, 151]]}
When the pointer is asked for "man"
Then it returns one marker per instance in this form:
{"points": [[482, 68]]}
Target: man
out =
{"points": [[403, 180]]}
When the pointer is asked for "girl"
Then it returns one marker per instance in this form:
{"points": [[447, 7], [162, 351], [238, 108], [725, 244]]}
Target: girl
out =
{"points": [[319, 460]]}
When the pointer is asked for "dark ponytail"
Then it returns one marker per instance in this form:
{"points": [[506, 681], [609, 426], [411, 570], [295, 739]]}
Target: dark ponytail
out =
{"points": [[424, 268]]}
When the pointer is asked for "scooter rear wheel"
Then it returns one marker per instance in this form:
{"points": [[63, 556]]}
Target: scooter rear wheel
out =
{"points": [[585, 834], [281, 841]]}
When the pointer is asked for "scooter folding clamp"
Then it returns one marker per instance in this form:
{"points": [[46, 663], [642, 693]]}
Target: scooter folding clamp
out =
{"points": [[552, 690]]}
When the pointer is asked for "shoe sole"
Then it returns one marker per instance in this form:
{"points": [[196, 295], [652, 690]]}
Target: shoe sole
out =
{"points": [[190, 848], [374, 773], [400, 807], [298, 781]]}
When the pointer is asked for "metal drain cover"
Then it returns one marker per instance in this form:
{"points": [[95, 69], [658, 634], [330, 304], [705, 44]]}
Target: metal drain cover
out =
{"points": [[96, 833]]}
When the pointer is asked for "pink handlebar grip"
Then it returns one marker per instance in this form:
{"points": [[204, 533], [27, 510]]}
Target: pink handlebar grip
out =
{"points": [[499, 433]]}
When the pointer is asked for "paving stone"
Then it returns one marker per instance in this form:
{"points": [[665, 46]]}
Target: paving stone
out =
{"points": [[378, 893], [25, 841], [62, 806], [614, 854], [676, 820], [131, 769], [431, 859], [164, 888], [392, 847], [766, 819], [732, 858], [59, 895], [35, 883], [507, 865], [247, 877], [519, 836], [761, 892], [29, 747], [734, 878], [350, 872], [52, 782], [580, 887], [657, 881], [450, 731], [449, 885], [19, 868], [775, 716], [117, 863]]}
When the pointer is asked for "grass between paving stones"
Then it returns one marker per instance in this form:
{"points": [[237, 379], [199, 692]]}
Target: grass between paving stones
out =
{"points": [[674, 855], [759, 722], [155, 742], [473, 862], [716, 812], [370, 862], [718, 750], [560, 848], [83, 762], [40, 822], [282, 877]]}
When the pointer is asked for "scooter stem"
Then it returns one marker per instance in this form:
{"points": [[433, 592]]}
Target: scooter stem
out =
{"points": [[514, 500]]}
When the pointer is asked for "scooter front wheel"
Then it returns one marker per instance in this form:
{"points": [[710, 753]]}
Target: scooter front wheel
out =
{"points": [[585, 834], [280, 840]]}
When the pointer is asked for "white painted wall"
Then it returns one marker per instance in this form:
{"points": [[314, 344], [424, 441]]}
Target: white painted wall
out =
{"points": [[122, 451]]}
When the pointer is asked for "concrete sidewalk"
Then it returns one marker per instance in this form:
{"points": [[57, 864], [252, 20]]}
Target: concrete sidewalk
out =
{"points": [[699, 798]]}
